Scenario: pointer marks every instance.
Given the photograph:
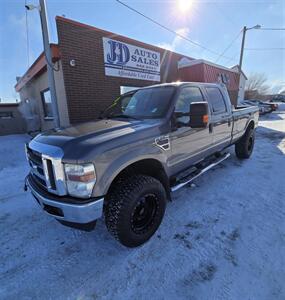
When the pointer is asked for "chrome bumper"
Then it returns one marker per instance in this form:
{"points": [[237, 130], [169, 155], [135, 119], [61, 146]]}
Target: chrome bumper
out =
{"points": [[76, 213]]}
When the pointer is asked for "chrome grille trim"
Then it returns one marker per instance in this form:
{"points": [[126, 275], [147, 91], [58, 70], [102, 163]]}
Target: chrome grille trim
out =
{"points": [[54, 154]]}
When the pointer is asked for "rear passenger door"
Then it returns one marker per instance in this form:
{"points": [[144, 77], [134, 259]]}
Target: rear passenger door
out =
{"points": [[221, 123]]}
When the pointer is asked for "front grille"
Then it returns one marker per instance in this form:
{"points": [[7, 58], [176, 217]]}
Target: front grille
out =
{"points": [[50, 174], [39, 181], [36, 164], [34, 156], [37, 170]]}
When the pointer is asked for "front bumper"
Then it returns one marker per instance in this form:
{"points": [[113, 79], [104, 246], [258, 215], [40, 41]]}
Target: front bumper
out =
{"points": [[61, 209]]}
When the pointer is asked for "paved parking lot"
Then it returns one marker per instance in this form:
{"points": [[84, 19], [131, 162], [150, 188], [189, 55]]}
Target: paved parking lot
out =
{"points": [[221, 238]]}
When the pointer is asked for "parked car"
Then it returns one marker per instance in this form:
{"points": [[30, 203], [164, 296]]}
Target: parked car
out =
{"points": [[126, 165], [278, 98], [261, 108], [264, 107], [272, 106]]}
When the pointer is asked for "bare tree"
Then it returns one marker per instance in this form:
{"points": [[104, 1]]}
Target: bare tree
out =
{"points": [[256, 86]]}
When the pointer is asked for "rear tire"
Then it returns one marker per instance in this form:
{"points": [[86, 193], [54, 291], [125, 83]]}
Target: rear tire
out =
{"points": [[134, 210], [245, 145]]}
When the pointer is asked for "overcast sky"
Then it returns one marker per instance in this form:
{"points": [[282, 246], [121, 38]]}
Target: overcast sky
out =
{"points": [[213, 24]]}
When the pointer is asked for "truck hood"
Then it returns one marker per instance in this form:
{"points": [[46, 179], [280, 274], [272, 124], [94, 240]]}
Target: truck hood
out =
{"points": [[84, 137]]}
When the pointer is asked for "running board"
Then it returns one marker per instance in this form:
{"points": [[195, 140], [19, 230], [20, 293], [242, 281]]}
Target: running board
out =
{"points": [[200, 172]]}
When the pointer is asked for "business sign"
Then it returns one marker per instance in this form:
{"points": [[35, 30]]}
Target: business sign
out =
{"points": [[129, 61]]}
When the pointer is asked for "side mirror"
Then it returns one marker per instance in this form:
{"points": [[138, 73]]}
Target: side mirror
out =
{"points": [[199, 115]]}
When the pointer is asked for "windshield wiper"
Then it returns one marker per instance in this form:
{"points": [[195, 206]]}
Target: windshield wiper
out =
{"points": [[123, 116]]}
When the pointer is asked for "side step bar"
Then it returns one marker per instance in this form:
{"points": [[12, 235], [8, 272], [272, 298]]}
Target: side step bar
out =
{"points": [[200, 172]]}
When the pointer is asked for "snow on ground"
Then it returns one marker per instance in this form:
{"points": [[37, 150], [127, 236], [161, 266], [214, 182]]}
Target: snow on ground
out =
{"points": [[223, 238]]}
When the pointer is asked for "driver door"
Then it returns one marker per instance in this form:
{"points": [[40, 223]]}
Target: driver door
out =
{"points": [[188, 144]]}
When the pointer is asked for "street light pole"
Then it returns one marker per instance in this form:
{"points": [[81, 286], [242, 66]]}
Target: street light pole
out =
{"points": [[48, 56], [244, 30], [242, 48]]}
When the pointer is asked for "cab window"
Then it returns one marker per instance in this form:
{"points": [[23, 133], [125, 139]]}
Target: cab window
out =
{"points": [[216, 99], [187, 96]]}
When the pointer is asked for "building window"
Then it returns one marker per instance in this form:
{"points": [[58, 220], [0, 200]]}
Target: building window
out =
{"points": [[6, 115], [46, 100], [124, 89]]}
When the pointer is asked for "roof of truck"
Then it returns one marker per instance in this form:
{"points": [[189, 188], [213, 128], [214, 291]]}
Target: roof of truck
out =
{"points": [[180, 83]]}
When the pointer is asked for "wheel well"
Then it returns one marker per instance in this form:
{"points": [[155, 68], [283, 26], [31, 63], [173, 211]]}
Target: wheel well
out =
{"points": [[150, 167], [250, 125]]}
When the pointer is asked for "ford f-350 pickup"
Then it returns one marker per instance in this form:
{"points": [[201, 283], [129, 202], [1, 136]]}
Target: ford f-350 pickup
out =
{"points": [[125, 166]]}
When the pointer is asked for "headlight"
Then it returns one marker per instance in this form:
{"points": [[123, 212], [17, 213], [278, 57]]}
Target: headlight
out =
{"points": [[80, 179]]}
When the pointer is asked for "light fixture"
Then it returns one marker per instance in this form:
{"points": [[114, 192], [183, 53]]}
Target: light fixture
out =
{"points": [[31, 7], [72, 63], [254, 27]]}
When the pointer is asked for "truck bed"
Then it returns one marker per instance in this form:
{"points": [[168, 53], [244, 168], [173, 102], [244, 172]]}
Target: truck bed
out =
{"points": [[241, 117]]}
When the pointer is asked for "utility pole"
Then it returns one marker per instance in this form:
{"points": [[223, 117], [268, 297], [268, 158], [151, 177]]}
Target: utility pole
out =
{"points": [[242, 48], [244, 30], [48, 56]]}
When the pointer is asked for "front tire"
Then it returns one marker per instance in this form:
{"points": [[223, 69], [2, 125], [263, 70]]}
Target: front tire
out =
{"points": [[134, 210], [245, 145]]}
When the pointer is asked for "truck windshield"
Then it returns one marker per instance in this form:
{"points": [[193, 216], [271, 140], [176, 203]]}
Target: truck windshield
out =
{"points": [[144, 103]]}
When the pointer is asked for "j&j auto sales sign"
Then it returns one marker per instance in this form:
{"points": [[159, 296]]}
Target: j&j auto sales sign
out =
{"points": [[129, 61]]}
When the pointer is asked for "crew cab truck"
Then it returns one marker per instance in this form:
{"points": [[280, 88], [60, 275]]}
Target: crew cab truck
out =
{"points": [[125, 166]]}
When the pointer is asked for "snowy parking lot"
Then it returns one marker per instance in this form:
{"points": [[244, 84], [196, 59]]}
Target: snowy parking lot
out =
{"points": [[221, 238]]}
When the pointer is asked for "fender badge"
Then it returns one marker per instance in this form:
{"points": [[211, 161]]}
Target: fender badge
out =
{"points": [[163, 142]]}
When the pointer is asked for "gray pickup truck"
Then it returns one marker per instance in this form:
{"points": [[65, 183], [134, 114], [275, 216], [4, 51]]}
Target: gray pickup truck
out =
{"points": [[125, 166]]}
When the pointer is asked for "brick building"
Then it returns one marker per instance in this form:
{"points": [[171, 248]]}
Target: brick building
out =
{"points": [[93, 67]]}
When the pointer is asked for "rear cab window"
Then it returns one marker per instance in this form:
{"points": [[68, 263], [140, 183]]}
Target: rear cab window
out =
{"points": [[216, 100]]}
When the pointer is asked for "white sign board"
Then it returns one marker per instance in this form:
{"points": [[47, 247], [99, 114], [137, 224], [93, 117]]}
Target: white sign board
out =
{"points": [[129, 61]]}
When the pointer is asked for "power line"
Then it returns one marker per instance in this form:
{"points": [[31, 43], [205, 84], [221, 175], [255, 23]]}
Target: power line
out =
{"points": [[271, 28], [27, 37], [263, 49], [170, 30], [229, 46], [234, 58]]}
